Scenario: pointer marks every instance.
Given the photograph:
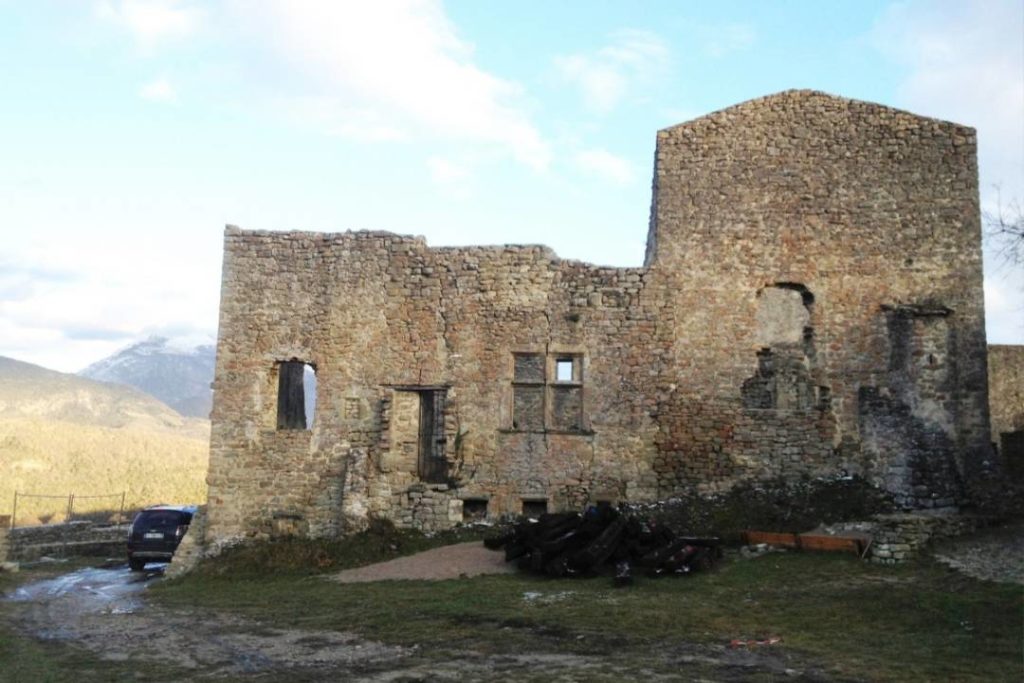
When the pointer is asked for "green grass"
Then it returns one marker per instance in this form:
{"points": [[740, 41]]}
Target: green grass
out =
{"points": [[850, 619]]}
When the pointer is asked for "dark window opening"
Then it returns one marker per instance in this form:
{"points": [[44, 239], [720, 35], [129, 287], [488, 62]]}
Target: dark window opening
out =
{"points": [[1012, 447], [296, 395], [535, 508], [474, 509], [432, 464]]}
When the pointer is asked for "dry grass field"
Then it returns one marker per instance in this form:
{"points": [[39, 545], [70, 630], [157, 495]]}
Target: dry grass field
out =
{"points": [[58, 458], [62, 434]]}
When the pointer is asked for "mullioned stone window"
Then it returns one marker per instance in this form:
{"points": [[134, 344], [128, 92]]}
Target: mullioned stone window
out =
{"points": [[547, 392]]}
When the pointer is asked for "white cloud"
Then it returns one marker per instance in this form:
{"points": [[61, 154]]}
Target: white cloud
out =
{"points": [[606, 165], [605, 77], [85, 303], [965, 63], [159, 90], [393, 68], [152, 22]]}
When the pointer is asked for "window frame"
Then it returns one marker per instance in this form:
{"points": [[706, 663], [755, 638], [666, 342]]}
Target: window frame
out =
{"points": [[549, 386]]}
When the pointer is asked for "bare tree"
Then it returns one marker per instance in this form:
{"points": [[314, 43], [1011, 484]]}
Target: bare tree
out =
{"points": [[1005, 231]]}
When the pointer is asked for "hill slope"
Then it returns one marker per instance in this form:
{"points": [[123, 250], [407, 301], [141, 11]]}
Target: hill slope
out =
{"points": [[62, 434], [179, 376]]}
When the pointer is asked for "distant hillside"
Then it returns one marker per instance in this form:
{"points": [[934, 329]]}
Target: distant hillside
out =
{"points": [[32, 391], [179, 376], [61, 434]]}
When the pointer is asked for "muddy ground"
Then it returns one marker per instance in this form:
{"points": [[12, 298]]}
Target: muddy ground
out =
{"points": [[106, 611]]}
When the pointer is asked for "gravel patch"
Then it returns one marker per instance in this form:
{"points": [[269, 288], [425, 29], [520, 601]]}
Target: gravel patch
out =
{"points": [[995, 554], [448, 562]]}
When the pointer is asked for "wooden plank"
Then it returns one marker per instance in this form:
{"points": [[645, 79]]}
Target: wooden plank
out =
{"points": [[830, 543]]}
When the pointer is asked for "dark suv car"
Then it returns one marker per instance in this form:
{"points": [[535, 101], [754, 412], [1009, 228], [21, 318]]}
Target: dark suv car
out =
{"points": [[156, 533]]}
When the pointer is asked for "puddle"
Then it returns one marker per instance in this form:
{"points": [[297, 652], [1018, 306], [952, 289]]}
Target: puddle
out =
{"points": [[92, 590]]}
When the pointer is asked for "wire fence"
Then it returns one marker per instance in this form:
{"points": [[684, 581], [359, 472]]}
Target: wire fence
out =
{"points": [[43, 508]]}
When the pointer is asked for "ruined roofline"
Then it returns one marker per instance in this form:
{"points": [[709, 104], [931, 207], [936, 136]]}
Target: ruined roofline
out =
{"points": [[541, 250], [806, 93]]}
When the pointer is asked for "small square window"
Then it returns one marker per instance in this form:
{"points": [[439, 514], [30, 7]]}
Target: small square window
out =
{"points": [[474, 509], [534, 508]]}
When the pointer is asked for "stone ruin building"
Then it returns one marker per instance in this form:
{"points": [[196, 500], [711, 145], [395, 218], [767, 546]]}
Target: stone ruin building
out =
{"points": [[810, 305]]}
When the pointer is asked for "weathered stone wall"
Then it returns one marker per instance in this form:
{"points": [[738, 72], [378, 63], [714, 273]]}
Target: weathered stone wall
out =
{"points": [[192, 547], [1006, 403], [811, 303], [899, 537], [1006, 388], [871, 214]]}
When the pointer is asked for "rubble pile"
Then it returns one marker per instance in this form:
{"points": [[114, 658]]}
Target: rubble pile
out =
{"points": [[574, 544]]}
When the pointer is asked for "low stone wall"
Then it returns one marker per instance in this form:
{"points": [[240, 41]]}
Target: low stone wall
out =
{"points": [[427, 507], [898, 537], [61, 540], [5, 522]]}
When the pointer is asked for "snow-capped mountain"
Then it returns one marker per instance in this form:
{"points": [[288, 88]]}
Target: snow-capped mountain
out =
{"points": [[179, 374]]}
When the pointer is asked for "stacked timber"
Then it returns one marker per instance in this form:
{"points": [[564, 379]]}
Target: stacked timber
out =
{"points": [[574, 544]]}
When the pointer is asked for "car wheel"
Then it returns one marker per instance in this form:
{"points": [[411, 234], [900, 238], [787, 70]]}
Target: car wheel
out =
{"points": [[136, 564]]}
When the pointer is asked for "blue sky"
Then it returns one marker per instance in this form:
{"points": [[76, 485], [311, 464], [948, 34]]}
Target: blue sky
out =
{"points": [[133, 130]]}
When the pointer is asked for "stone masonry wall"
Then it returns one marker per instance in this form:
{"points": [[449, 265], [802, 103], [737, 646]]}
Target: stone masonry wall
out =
{"points": [[1006, 402], [871, 215], [1006, 388], [811, 303]]}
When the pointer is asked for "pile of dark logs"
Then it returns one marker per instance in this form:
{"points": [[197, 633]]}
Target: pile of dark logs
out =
{"points": [[571, 544]]}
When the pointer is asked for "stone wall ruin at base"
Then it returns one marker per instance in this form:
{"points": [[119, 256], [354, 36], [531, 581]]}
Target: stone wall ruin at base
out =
{"points": [[811, 304]]}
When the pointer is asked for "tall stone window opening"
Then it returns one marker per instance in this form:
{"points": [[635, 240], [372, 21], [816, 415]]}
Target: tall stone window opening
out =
{"points": [[784, 378], [547, 392], [296, 395], [567, 394], [1012, 448], [432, 464]]}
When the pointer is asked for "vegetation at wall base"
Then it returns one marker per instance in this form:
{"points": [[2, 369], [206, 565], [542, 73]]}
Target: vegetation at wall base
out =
{"points": [[293, 555]]}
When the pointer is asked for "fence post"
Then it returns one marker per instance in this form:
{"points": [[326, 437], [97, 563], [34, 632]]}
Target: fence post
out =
{"points": [[14, 512], [120, 512], [71, 507]]}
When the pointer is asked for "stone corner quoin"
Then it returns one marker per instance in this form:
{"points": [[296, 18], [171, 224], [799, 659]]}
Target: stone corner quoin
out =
{"points": [[811, 304]]}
